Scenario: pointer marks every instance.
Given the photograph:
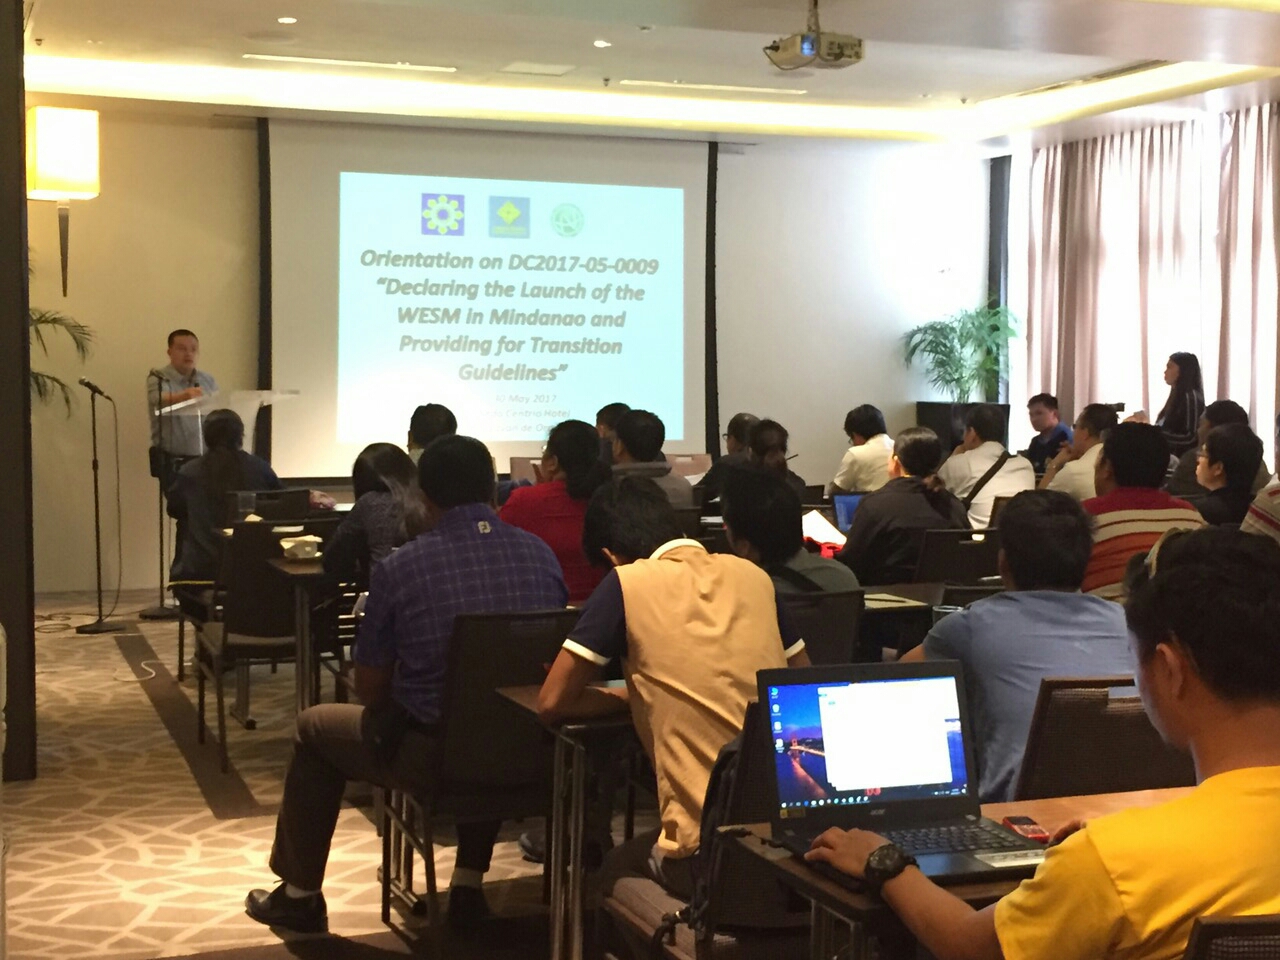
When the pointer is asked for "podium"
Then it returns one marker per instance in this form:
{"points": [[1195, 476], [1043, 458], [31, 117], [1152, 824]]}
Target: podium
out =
{"points": [[245, 403]]}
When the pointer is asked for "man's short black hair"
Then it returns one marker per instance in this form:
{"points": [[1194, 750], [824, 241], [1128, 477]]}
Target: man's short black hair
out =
{"points": [[642, 434], [182, 332], [768, 435], [866, 421], [987, 421], [1047, 540], [919, 451], [1239, 451], [1138, 454], [1221, 412], [740, 425], [630, 517], [454, 471], [1046, 400], [609, 414], [432, 420], [1216, 592], [762, 509], [1098, 418]]}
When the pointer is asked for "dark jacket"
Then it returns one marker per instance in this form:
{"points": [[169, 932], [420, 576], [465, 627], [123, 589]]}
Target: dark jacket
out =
{"points": [[1225, 506], [888, 529], [200, 520]]}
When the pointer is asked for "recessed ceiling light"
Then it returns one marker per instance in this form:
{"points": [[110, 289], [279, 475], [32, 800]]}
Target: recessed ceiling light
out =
{"points": [[286, 20], [724, 88], [601, 44], [323, 61]]}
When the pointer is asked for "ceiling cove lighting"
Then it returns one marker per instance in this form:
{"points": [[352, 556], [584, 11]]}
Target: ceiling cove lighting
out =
{"points": [[363, 64], [352, 91], [1263, 6], [722, 88]]}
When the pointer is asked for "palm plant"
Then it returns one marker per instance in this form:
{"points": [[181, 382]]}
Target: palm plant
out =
{"points": [[45, 386], [966, 352]]}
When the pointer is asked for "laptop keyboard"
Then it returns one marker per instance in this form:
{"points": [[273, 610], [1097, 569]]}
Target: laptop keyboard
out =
{"points": [[956, 838]]}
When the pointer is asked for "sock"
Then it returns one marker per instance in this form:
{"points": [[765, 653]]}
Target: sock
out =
{"points": [[297, 893], [464, 877]]}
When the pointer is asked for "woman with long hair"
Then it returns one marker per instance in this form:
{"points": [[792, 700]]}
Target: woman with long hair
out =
{"points": [[389, 511], [1179, 419], [554, 509]]}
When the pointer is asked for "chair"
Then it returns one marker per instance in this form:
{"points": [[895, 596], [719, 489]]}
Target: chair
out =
{"points": [[830, 625], [525, 468], [997, 505], [689, 464], [957, 556], [1235, 938], [490, 767], [276, 505], [957, 596], [1083, 740], [690, 519]]}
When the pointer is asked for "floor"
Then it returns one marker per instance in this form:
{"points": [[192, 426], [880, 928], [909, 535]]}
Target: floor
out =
{"points": [[131, 844]]}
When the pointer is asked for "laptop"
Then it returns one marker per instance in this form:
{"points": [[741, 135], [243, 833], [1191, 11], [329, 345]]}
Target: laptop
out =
{"points": [[887, 748], [844, 505]]}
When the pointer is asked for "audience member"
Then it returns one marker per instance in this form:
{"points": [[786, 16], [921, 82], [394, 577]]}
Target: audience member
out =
{"points": [[429, 421], [981, 469], [1206, 629], [1071, 470], [389, 511], [888, 527], [737, 449], [768, 446], [692, 629], [607, 427], [469, 562], [1051, 433], [865, 466], [1183, 483], [637, 452], [1179, 418], [1042, 626], [1264, 513], [198, 498], [762, 516], [1228, 463], [1131, 511], [553, 509]]}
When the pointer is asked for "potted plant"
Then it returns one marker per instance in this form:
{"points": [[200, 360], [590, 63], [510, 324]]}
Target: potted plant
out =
{"points": [[46, 386], [965, 354]]}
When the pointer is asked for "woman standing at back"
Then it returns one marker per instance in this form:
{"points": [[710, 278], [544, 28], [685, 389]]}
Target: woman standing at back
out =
{"points": [[553, 509], [1179, 419]]}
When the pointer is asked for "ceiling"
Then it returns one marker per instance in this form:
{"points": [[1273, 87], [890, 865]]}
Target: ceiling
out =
{"points": [[932, 68]]}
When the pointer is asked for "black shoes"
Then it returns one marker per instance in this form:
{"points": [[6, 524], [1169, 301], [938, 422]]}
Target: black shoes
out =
{"points": [[299, 914], [468, 909]]}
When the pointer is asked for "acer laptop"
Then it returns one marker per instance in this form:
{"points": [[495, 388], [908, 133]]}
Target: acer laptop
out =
{"points": [[887, 748]]}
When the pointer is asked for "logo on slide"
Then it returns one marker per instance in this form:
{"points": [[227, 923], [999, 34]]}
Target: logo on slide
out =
{"points": [[442, 213], [509, 217], [567, 220]]}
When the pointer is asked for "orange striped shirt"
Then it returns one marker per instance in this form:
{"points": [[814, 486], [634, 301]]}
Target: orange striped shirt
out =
{"points": [[1264, 513], [1127, 521]]}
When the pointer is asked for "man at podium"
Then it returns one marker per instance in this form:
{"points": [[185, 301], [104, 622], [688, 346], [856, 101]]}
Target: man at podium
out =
{"points": [[175, 440]]}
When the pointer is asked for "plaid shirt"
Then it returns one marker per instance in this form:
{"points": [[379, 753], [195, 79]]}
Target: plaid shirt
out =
{"points": [[471, 562]]}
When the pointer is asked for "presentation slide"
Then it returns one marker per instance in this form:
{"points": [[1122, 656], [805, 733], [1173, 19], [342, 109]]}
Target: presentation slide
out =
{"points": [[519, 302]]}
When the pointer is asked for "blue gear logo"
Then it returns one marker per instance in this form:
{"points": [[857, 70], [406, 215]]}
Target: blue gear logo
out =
{"points": [[567, 220]]}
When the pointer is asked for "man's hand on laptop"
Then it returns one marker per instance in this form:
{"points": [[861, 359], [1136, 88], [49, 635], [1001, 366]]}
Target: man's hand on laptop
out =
{"points": [[846, 850]]}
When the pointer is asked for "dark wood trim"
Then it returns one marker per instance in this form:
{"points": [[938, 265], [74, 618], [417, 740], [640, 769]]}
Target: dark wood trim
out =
{"points": [[712, 378], [262, 435], [17, 571], [998, 232]]}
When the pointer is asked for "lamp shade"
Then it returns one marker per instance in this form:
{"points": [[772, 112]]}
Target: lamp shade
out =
{"points": [[62, 154]]}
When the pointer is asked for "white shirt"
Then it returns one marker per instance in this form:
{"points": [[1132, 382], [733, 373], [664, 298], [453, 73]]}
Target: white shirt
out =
{"points": [[1076, 476], [963, 470], [865, 467]]}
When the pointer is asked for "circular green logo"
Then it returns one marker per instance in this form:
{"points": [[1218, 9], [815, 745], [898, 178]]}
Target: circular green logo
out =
{"points": [[567, 220]]}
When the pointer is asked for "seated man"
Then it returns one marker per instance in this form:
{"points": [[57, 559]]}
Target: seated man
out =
{"points": [[1220, 413], [468, 562], [429, 421], [1264, 513], [762, 517], [737, 454], [1043, 626], [981, 469], [693, 628], [1071, 471], [768, 445], [865, 466], [1130, 512], [1130, 885], [1042, 410], [1226, 467], [637, 452]]}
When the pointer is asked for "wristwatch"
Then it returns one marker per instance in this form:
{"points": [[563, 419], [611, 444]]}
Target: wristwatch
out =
{"points": [[885, 863]]}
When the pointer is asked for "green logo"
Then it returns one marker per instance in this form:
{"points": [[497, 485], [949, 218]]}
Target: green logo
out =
{"points": [[567, 220]]}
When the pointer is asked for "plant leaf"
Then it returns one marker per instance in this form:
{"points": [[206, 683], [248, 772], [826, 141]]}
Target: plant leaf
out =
{"points": [[46, 387], [42, 320]]}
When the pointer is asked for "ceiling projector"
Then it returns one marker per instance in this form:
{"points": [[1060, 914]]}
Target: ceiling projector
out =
{"points": [[814, 49]]}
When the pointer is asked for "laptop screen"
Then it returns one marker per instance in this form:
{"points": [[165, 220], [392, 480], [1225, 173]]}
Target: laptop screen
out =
{"points": [[854, 742], [845, 504]]}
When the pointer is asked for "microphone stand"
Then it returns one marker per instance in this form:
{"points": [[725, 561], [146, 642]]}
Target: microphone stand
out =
{"points": [[100, 625], [162, 610]]}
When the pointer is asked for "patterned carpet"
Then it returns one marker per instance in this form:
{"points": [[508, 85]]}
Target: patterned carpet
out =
{"points": [[131, 844]]}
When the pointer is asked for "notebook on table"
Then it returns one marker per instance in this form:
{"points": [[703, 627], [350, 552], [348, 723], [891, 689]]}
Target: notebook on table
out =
{"points": [[886, 748]]}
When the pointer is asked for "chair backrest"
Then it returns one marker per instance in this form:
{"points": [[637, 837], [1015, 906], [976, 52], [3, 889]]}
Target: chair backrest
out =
{"points": [[525, 468], [1083, 740], [814, 494], [997, 505], [486, 745], [958, 556], [830, 625], [293, 503], [690, 519], [258, 601], [689, 464], [956, 596], [1235, 938]]}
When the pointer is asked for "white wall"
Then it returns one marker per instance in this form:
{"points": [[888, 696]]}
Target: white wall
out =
{"points": [[827, 252], [172, 241]]}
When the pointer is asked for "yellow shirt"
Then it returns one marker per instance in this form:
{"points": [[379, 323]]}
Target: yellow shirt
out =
{"points": [[1130, 885]]}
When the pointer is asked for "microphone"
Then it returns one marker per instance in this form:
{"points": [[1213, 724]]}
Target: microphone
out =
{"points": [[153, 372], [93, 388]]}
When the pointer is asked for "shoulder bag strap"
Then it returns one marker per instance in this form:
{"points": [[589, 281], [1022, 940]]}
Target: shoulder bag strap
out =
{"points": [[1001, 460]]}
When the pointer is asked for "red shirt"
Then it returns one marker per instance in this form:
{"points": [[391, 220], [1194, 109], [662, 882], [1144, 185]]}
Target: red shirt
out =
{"points": [[547, 511]]}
